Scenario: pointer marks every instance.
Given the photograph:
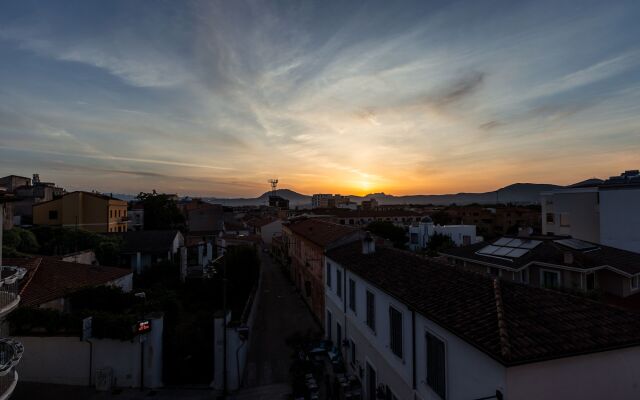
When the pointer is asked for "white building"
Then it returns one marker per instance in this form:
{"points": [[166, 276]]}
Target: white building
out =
{"points": [[461, 235], [607, 214], [411, 328]]}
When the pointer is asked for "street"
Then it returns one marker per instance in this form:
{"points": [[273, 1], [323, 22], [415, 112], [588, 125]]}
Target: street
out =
{"points": [[281, 314]]}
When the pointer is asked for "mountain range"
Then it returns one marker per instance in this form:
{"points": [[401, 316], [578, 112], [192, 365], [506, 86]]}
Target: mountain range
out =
{"points": [[520, 193]]}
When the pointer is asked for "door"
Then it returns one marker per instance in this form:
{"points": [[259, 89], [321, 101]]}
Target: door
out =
{"points": [[371, 382]]}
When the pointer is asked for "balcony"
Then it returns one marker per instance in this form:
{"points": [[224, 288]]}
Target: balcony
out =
{"points": [[10, 355], [10, 288]]}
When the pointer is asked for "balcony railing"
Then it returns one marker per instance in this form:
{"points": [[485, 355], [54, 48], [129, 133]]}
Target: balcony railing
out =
{"points": [[10, 355], [9, 288]]}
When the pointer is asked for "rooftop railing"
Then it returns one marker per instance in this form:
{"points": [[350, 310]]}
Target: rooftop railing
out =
{"points": [[10, 288], [10, 355]]}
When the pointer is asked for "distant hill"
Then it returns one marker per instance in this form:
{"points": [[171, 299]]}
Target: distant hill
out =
{"points": [[519, 193], [295, 199]]}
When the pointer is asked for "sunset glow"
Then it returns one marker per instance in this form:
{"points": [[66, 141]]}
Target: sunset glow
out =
{"points": [[341, 97]]}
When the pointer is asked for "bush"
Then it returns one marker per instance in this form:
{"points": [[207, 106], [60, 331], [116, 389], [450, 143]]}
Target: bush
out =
{"points": [[21, 240]]}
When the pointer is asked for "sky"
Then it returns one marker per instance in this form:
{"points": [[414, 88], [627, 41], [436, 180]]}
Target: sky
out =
{"points": [[213, 98]]}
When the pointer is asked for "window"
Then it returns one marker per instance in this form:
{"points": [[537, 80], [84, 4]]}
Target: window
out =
{"points": [[110, 213], [339, 337], [436, 378], [371, 311], [564, 219], [352, 295], [329, 324], [549, 279], [395, 331], [328, 275], [353, 352], [634, 282], [339, 282], [53, 214], [550, 218]]}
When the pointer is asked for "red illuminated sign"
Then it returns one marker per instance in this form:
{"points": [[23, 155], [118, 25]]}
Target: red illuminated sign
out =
{"points": [[143, 327]]}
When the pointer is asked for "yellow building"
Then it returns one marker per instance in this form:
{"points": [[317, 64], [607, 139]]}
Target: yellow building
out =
{"points": [[89, 211]]}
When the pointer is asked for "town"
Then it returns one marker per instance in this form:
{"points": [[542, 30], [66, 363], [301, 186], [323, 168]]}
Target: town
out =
{"points": [[327, 300], [319, 200]]}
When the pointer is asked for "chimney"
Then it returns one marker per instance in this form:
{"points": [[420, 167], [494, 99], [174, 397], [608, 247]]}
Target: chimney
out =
{"points": [[568, 257], [368, 244]]}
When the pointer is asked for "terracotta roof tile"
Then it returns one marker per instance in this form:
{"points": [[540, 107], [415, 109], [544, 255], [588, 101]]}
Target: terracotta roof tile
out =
{"points": [[320, 232], [49, 278], [513, 323]]}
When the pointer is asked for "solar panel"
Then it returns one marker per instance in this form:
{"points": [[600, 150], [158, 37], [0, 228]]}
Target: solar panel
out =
{"points": [[502, 251], [502, 241], [515, 253], [576, 244], [488, 249], [515, 243], [530, 244]]}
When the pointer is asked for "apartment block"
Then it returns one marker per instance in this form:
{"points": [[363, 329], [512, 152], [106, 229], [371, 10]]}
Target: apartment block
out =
{"points": [[85, 210], [411, 328]]}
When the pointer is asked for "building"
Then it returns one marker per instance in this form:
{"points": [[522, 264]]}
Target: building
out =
{"points": [[306, 241], [461, 235], [11, 182], [28, 193], [204, 217], [143, 249], [278, 202], [49, 281], [363, 218], [412, 328], [572, 212], [11, 350], [553, 262], [136, 217], [323, 200], [495, 221], [599, 212], [267, 228], [83, 210], [370, 204]]}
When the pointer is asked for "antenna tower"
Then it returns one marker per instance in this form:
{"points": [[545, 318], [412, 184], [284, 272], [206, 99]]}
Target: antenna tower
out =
{"points": [[274, 185]]}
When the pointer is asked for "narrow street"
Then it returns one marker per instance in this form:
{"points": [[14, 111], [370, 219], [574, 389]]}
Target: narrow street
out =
{"points": [[281, 314]]}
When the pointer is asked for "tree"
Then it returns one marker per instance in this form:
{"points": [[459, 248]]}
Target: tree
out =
{"points": [[160, 211], [388, 230], [54, 241], [438, 242], [441, 218], [21, 241]]}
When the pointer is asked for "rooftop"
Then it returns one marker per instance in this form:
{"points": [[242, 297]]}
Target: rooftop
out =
{"points": [[512, 323], [550, 250], [346, 213], [154, 241], [48, 278], [320, 232]]}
